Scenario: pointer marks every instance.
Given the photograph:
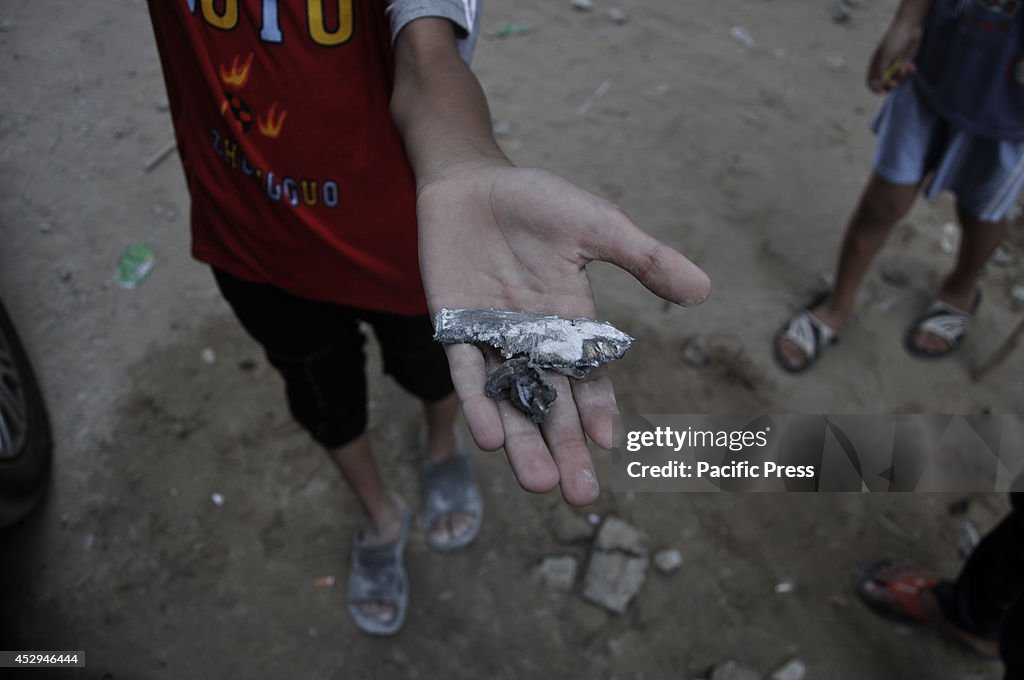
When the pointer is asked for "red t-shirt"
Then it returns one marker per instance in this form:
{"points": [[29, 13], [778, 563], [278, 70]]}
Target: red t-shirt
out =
{"points": [[297, 174]]}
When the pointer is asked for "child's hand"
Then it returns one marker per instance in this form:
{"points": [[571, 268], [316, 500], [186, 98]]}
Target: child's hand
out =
{"points": [[893, 60], [493, 235]]}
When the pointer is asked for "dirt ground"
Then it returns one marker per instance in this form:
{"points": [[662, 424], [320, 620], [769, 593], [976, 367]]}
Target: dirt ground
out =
{"points": [[747, 159]]}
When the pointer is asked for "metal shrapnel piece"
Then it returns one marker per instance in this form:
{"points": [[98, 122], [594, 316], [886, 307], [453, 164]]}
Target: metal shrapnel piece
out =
{"points": [[525, 385], [572, 347]]}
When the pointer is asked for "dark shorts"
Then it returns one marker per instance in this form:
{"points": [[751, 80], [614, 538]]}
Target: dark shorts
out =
{"points": [[318, 349]]}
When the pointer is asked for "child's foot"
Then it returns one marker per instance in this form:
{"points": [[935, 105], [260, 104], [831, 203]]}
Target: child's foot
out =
{"points": [[453, 509], [806, 335], [378, 589], [943, 325], [905, 592]]}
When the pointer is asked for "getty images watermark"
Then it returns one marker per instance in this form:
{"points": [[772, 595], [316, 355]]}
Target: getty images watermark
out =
{"points": [[793, 452]]}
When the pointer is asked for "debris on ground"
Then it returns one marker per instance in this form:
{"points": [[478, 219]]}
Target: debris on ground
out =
{"points": [[784, 587], [733, 670], [794, 669], [743, 37], [668, 560], [513, 29], [618, 565], [583, 5], [617, 15], [557, 572], [696, 353], [134, 265]]}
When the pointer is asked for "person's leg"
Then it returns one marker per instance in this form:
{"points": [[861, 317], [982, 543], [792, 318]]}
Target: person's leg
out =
{"points": [[317, 349], [979, 240], [881, 206], [419, 365]]}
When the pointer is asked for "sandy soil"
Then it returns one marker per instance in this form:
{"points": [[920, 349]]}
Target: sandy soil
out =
{"points": [[749, 160]]}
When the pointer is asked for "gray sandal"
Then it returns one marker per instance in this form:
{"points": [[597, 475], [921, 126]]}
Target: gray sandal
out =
{"points": [[377, 576], [450, 486]]}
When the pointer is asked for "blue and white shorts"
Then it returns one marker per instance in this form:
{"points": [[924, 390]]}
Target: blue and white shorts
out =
{"points": [[987, 175]]}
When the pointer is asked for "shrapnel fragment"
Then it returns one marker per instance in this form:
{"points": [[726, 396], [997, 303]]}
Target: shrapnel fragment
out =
{"points": [[572, 347], [525, 385]]}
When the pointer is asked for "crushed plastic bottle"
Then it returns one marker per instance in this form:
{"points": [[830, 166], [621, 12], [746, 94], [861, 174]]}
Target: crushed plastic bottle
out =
{"points": [[134, 265]]}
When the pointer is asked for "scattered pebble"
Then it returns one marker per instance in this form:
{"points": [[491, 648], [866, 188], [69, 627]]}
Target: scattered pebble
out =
{"points": [[247, 365], [557, 572], [208, 356], [64, 275], [45, 227], [794, 669], [1002, 257], [743, 37], [594, 518], [696, 353], [323, 581], [1017, 292], [733, 670], [668, 560], [163, 105], [835, 62], [617, 15], [218, 499], [827, 279], [784, 587], [89, 541], [583, 5]]}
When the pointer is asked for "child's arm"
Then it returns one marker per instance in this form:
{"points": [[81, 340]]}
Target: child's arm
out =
{"points": [[893, 60], [493, 235]]}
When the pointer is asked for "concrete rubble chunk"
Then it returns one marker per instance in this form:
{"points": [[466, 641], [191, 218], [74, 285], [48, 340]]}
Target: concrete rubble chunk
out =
{"points": [[618, 565], [557, 572], [616, 534], [668, 560], [613, 579], [568, 526], [794, 669], [733, 670]]}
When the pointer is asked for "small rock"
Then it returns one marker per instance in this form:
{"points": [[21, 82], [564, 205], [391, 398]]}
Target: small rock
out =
{"points": [[568, 526], [783, 587], [743, 37], [840, 14], [613, 579], [45, 227], [557, 573], [616, 534], [696, 353], [208, 356], [583, 5], [1017, 292], [64, 275], [668, 560], [826, 280], [89, 541], [835, 62], [247, 365], [617, 15], [163, 105], [594, 518], [218, 499], [732, 670], [1002, 257], [794, 669], [618, 565]]}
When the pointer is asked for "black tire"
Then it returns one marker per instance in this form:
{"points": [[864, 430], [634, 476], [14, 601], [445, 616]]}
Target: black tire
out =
{"points": [[26, 443]]}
